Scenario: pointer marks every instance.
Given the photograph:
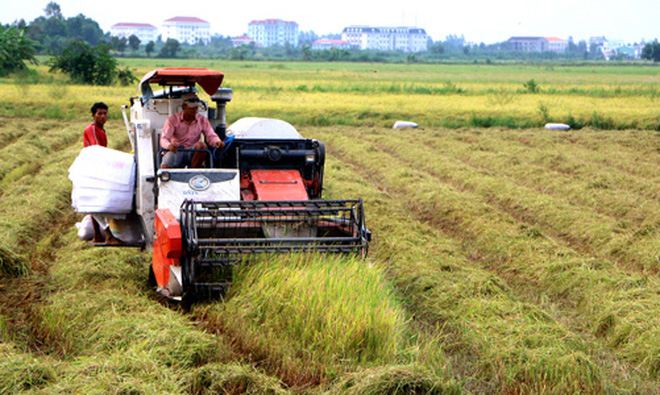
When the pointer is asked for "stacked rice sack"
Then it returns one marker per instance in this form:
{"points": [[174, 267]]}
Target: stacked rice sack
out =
{"points": [[103, 181]]}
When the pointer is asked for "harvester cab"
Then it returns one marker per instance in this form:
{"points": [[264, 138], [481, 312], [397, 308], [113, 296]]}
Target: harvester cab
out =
{"points": [[260, 194]]}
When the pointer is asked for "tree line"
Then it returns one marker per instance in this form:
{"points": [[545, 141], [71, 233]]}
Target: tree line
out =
{"points": [[79, 47]]}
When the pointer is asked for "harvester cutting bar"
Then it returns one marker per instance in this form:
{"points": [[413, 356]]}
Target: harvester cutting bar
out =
{"points": [[219, 235], [219, 231]]}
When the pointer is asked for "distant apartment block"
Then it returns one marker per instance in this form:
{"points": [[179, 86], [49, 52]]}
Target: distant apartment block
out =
{"points": [[272, 32], [242, 40], [144, 31], [557, 45], [406, 39], [186, 29], [326, 43], [537, 44]]}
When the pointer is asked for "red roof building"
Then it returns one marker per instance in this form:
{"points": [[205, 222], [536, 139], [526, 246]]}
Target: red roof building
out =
{"points": [[187, 29], [186, 19], [556, 44], [242, 40]]}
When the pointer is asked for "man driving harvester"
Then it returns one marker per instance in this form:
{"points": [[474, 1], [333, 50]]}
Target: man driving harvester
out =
{"points": [[184, 130]]}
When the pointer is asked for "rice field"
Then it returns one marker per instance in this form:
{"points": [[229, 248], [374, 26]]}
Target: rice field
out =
{"points": [[447, 96], [507, 258]]}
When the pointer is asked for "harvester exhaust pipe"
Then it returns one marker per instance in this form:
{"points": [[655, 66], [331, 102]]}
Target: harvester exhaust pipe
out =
{"points": [[219, 120]]}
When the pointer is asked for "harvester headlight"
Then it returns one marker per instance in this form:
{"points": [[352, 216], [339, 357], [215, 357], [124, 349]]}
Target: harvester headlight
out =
{"points": [[309, 158]]}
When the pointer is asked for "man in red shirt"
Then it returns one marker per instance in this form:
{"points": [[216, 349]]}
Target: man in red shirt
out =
{"points": [[94, 134], [184, 130]]}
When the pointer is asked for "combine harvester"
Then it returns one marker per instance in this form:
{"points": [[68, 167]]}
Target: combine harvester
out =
{"points": [[261, 194]]}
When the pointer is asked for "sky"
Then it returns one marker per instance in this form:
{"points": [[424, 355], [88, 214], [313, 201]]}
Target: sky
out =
{"points": [[486, 21]]}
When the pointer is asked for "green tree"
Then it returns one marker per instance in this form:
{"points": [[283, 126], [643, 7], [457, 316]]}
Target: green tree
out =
{"points": [[53, 32], [170, 49], [87, 65], [53, 10], [82, 28], [125, 77], [239, 53], [651, 51], [37, 31], [15, 50], [55, 27], [149, 48], [334, 54], [437, 48], [572, 47], [20, 24], [219, 46], [134, 42], [307, 38], [531, 86], [454, 43], [118, 44], [306, 52]]}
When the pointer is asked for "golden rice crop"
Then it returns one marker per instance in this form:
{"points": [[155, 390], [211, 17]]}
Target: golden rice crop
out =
{"points": [[460, 200], [503, 261], [313, 316], [358, 94]]}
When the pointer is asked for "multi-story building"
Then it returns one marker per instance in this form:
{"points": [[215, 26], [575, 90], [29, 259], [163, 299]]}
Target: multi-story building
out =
{"points": [[537, 44], [556, 44], [406, 39], [272, 32], [326, 43], [242, 40], [185, 29], [527, 44], [144, 31]]}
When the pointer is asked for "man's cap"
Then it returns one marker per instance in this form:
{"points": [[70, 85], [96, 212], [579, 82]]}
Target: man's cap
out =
{"points": [[191, 100]]}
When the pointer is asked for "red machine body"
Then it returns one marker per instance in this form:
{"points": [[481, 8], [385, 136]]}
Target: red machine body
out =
{"points": [[167, 245], [280, 210], [278, 185]]}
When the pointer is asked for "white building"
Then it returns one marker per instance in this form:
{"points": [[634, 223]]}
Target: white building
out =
{"points": [[271, 32], [610, 48], [406, 39], [326, 43], [596, 42], [537, 44], [558, 45], [144, 31], [185, 29], [242, 40]]}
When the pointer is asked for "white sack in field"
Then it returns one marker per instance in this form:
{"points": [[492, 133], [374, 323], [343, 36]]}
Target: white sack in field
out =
{"points": [[103, 181]]}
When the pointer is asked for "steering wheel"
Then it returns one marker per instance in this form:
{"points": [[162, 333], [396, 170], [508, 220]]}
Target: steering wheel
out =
{"points": [[217, 154]]}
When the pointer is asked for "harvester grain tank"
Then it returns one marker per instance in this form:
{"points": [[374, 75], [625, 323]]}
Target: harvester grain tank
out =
{"points": [[262, 193]]}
